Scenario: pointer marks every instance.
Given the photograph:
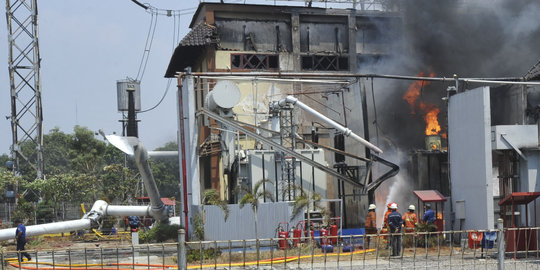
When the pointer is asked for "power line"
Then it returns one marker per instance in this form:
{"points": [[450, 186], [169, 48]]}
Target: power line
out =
{"points": [[162, 98], [147, 47]]}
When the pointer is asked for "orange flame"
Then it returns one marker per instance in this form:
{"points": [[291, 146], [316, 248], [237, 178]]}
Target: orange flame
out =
{"points": [[432, 123], [431, 112], [413, 92]]}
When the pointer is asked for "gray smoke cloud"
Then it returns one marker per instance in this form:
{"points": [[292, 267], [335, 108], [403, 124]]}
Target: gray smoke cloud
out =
{"points": [[481, 38]]}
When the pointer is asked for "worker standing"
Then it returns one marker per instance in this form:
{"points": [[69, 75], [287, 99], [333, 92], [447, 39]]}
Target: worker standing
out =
{"points": [[371, 223], [410, 220], [395, 221], [429, 218], [20, 236]]}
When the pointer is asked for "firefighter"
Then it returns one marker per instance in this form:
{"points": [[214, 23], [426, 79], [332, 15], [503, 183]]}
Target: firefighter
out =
{"points": [[395, 222], [371, 222], [410, 219], [388, 211]]}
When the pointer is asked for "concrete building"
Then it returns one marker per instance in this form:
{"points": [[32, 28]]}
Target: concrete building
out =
{"points": [[264, 38]]}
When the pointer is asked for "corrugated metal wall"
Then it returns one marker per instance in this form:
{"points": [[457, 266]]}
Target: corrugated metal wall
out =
{"points": [[241, 222]]}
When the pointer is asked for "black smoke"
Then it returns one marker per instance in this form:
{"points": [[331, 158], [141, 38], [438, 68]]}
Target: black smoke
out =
{"points": [[473, 39]]}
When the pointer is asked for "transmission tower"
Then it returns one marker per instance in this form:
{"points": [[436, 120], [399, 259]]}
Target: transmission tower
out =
{"points": [[24, 76]]}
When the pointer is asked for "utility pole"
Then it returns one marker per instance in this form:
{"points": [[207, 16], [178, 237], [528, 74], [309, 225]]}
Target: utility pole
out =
{"points": [[25, 82]]}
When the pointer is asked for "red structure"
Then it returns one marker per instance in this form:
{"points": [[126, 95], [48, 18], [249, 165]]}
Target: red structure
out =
{"points": [[520, 238], [434, 197]]}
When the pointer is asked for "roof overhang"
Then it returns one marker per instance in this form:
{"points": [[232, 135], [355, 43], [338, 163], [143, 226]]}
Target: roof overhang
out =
{"points": [[519, 198], [429, 196]]}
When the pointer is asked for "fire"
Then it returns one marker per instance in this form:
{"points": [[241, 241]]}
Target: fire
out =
{"points": [[432, 123], [413, 92], [431, 112]]}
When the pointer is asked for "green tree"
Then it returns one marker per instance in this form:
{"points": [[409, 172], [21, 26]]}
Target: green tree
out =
{"points": [[3, 159], [118, 183], [252, 197], [56, 146], [165, 171], [86, 152], [64, 188]]}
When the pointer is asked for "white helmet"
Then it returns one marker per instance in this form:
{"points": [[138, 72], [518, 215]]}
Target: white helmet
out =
{"points": [[393, 206], [372, 207], [411, 207]]}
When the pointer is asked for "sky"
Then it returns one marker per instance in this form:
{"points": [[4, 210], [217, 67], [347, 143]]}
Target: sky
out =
{"points": [[86, 46]]}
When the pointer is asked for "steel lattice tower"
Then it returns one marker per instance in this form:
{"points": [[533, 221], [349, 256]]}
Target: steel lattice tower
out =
{"points": [[25, 81]]}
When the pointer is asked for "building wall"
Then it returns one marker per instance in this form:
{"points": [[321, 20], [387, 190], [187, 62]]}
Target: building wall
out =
{"points": [[241, 221], [530, 182], [469, 144], [294, 33]]}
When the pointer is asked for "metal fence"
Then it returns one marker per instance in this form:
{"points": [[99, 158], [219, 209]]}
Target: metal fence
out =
{"points": [[417, 250]]}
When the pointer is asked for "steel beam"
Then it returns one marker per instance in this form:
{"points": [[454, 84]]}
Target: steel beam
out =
{"points": [[279, 147]]}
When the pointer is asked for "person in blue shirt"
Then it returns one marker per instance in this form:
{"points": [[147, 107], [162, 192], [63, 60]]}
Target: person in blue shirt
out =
{"points": [[429, 215], [20, 237], [134, 223], [429, 218], [395, 221]]}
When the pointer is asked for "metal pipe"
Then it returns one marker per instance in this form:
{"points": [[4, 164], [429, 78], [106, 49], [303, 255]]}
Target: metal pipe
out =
{"points": [[55, 227], [163, 154], [90, 220], [128, 210], [132, 146], [502, 80], [347, 132], [159, 211]]}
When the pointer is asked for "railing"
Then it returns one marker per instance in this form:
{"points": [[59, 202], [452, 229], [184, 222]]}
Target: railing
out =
{"points": [[417, 250]]}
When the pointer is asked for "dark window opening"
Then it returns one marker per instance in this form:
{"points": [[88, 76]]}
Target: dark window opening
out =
{"points": [[254, 62], [325, 62]]}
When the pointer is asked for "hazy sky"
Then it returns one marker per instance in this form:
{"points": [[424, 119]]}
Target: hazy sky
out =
{"points": [[86, 46]]}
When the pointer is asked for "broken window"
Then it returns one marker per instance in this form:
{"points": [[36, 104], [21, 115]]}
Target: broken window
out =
{"points": [[248, 61], [325, 62]]}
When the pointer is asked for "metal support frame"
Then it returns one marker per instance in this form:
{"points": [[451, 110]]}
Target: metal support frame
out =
{"points": [[25, 83], [288, 164], [279, 147]]}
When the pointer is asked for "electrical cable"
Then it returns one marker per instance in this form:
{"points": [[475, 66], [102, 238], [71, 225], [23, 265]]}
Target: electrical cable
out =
{"points": [[148, 46], [162, 98]]}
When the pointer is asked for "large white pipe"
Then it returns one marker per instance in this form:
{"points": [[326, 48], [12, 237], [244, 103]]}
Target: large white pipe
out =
{"points": [[163, 154], [56, 227], [133, 147], [159, 211], [347, 132], [90, 220], [127, 210]]}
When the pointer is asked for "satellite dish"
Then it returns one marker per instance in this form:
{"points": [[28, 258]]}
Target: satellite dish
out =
{"points": [[224, 96]]}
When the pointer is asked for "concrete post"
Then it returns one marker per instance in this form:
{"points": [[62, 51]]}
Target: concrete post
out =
{"points": [[181, 256], [501, 248]]}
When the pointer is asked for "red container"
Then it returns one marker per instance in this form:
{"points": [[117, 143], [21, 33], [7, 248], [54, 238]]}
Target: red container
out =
{"points": [[324, 237], [475, 239], [297, 234], [333, 233], [283, 242]]}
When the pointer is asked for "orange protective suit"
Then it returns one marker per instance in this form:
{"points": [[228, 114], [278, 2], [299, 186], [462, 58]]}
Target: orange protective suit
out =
{"points": [[410, 220]]}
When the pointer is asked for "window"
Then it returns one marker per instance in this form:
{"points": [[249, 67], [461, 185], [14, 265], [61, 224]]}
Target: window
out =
{"points": [[325, 62], [254, 61]]}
